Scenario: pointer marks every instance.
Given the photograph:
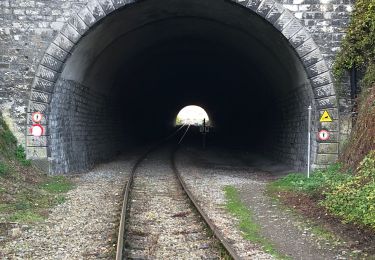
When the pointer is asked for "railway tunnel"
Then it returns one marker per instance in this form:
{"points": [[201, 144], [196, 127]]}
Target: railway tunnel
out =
{"points": [[127, 77]]}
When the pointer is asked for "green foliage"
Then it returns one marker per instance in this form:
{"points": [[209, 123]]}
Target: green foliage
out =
{"points": [[8, 145], [7, 139], [4, 170], [250, 229], [21, 156], [58, 184], [354, 199], [350, 197], [357, 48], [26, 216], [369, 77], [319, 181]]}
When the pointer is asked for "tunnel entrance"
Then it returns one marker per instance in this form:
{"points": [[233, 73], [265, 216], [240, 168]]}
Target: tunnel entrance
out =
{"points": [[117, 74]]}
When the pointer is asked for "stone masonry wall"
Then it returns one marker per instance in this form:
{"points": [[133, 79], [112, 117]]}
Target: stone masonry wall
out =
{"points": [[81, 123], [27, 27]]}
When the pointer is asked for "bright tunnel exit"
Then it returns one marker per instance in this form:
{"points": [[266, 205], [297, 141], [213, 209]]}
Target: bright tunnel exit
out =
{"points": [[192, 115]]}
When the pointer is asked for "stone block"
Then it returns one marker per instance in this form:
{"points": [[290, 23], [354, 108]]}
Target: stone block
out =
{"points": [[43, 85], [51, 63], [38, 107], [96, 9], [299, 38], [275, 13], [330, 126], [324, 91], [107, 6], [47, 74], [63, 42], [120, 3], [40, 97], [312, 58], [32, 141], [327, 102], [292, 28], [86, 16], [265, 7], [306, 47], [56, 52], [71, 33], [325, 159], [283, 20], [36, 152], [316, 69], [328, 148], [242, 2], [78, 24], [321, 79]]}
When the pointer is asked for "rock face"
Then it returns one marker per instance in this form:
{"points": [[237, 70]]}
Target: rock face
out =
{"points": [[45, 33]]}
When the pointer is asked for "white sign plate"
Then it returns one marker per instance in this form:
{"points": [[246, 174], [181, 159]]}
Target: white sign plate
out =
{"points": [[37, 117], [323, 135]]}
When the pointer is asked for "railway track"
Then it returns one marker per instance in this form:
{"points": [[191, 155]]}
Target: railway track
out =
{"points": [[160, 218]]}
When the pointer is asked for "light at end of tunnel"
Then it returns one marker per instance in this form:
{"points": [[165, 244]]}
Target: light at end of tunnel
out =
{"points": [[192, 115]]}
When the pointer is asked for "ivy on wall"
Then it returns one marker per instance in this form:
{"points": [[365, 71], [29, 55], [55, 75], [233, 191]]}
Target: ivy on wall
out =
{"points": [[358, 46]]}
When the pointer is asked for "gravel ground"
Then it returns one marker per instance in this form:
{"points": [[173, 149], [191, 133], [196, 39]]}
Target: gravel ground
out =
{"points": [[162, 223], [206, 184], [208, 172], [84, 226]]}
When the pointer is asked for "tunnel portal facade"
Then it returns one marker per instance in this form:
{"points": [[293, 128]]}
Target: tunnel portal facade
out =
{"points": [[100, 61]]}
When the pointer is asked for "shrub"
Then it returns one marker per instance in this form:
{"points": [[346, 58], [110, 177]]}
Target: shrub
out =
{"points": [[21, 156], [3, 169], [357, 46], [354, 199]]}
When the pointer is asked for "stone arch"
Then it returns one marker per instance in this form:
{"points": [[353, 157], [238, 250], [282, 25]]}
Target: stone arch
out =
{"points": [[282, 19]]}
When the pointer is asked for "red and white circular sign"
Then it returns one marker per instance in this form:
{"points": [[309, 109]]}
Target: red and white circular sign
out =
{"points": [[37, 117], [37, 130], [323, 135]]}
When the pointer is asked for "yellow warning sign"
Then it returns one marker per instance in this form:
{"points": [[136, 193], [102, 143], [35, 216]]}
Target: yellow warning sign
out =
{"points": [[326, 117]]}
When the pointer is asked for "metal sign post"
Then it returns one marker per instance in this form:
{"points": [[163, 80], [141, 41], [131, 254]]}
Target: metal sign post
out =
{"points": [[204, 134], [309, 142]]}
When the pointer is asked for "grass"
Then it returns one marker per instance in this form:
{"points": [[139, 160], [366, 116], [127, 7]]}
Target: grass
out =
{"points": [[26, 194], [249, 228], [318, 183], [57, 184], [31, 203], [26, 216], [323, 233]]}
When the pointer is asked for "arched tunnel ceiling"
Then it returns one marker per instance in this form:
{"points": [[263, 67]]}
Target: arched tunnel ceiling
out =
{"points": [[127, 35]]}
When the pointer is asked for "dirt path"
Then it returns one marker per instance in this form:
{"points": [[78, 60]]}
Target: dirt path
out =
{"points": [[286, 231]]}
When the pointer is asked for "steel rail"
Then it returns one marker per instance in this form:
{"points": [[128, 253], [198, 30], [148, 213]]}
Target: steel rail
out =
{"points": [[210, 224], [126, 193], [228, 247]]}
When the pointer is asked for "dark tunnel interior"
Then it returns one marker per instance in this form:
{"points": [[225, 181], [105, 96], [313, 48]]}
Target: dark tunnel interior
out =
{"points": [[190, 71], [128, 77]]}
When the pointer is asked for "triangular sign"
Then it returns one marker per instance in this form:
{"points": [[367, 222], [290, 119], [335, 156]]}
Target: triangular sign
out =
{"points": [[326, 117]]}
